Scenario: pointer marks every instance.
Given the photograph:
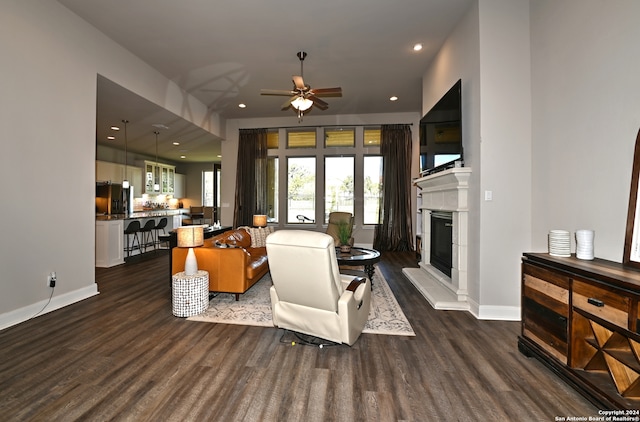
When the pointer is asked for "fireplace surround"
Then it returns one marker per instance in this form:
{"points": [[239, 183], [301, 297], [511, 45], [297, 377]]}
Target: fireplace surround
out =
{"points": [[446, 192]]}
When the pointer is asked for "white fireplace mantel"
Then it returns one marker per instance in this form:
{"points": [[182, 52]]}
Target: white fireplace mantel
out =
{"points": [[444, 191]]}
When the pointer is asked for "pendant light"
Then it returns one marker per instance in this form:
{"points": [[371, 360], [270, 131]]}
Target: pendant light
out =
{"points": [[125, 182], [156, 182]]}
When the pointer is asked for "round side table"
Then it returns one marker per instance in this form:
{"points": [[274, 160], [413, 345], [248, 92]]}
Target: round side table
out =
{"points": [[190, 293]]}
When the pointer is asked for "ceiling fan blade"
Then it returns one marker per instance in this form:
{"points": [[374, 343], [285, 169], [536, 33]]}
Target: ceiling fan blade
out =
{"points": [[298, 82], [275, 92], [327, 92], [287, 103], [318, 102]]}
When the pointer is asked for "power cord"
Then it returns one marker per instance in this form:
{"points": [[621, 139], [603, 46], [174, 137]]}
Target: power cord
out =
{"points": [[45, 305], [307, 340]]}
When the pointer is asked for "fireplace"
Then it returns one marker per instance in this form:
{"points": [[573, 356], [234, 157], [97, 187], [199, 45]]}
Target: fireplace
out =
{"points": [[441, 241], [443, 200]]}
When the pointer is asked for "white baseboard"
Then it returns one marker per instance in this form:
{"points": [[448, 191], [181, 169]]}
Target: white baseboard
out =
{"points": [[442, 298], [490, 312], [23, 314]]}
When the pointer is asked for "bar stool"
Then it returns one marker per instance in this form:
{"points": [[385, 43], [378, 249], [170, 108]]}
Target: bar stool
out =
{"points": [[146, 231], [132, 229], [160, 226]]}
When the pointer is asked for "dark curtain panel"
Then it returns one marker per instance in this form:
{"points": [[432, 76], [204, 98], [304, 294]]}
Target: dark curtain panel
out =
{"points": [[394, 229], [251, 176]]}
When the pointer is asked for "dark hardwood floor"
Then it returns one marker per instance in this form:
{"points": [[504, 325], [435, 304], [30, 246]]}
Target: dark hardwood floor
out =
{"points": [[122, 355]]}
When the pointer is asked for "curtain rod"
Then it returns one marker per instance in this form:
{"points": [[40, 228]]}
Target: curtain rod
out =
{"points": [[308, 127]]}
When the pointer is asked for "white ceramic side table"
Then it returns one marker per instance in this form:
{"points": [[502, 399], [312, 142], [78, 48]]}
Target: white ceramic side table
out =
{"points": [[190, 293]]}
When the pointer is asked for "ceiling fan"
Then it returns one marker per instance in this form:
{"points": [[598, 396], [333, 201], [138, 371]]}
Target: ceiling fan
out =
{"points": [[302, 96]]}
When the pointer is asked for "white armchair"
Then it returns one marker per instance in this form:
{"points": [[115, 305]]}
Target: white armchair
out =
{"points": [[309, 295]]}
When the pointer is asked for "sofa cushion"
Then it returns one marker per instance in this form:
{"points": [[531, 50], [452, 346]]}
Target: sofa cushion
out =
{"points": [[237, 237]]}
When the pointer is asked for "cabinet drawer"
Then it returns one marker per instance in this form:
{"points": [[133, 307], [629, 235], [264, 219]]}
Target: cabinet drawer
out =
{"points": [[609, 305], [554, 277], [547, 294]]}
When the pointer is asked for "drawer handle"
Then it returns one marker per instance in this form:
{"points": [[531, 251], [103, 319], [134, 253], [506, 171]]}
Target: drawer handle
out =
{"points": [[595, 302]]}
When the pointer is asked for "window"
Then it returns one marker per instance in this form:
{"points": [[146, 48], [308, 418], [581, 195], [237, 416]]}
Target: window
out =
{"points": [[207, 188], [273, 139], [372, 176], [371, 137], [314, 171], [301, 190], [339, 138], [338, 185], [272, 194], [301, 139], [211, 187]]}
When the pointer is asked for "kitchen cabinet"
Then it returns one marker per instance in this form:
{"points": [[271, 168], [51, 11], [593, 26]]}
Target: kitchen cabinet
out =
{"points": [[164, 174], [176, 221], [582, 319], [109, 243], [114, 173], [109, 172]]}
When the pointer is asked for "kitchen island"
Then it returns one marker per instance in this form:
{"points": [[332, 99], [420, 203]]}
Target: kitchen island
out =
{"points": [[110, 238]]}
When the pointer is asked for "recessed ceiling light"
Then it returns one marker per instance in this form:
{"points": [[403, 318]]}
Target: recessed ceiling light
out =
{"points": [[219, 156], [111, 138], [394, 98], [183, 156], [115, 128], [242, 105], [176, 143], [417, 47]]}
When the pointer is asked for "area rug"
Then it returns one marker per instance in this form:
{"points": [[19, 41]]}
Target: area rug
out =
{"points": [[254, 308]]}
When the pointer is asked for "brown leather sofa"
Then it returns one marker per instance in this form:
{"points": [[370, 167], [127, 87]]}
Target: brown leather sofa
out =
{"points": [[233, 264]]}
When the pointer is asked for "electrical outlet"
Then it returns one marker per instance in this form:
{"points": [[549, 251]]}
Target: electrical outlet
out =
{"points": [[51, 280]]}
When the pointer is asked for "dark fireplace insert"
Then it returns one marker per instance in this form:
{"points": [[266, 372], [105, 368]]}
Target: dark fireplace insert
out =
{"points": [[441, 240]]}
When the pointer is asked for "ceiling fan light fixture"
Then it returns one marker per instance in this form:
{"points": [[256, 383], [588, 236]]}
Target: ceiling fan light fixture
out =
{"points": [[302, 104]]}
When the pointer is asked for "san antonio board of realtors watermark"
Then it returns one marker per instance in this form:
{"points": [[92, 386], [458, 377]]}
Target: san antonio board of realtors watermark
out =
{"points": [[629, 415]]}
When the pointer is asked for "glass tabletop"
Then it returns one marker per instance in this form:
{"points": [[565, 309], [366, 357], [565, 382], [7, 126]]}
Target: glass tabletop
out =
{"points": [[357, 254]]}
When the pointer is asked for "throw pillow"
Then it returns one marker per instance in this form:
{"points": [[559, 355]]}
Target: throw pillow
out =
{"points": [[259, 236]]}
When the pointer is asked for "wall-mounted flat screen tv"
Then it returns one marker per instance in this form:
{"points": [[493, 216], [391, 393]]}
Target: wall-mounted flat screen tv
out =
{"points": [[441, 133]]}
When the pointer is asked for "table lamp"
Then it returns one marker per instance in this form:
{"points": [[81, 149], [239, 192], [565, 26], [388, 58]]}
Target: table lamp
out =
{"points": [[260, 220], [190, 237]]}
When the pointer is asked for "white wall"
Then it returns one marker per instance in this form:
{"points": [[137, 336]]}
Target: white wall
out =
{"points": [[585, 117], [505, 144], [551, 114], [489, 51], [50, 61]]}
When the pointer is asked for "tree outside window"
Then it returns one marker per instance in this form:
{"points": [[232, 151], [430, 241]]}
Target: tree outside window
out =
{"points": [[338, 185], [301, 190], [372, 188]]}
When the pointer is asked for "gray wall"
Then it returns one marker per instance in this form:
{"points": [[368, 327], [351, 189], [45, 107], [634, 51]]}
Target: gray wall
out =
{"points": [[47, 111]]}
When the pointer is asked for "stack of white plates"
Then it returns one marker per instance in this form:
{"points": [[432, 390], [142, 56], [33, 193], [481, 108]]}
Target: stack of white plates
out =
{"points": [[559, 243], [584, 244]]}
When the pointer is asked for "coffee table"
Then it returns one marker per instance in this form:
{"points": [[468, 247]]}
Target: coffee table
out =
{"points": [[359, 257]]}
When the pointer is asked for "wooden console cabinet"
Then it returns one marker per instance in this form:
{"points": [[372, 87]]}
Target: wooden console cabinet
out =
{"points": [[582, 319]]}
